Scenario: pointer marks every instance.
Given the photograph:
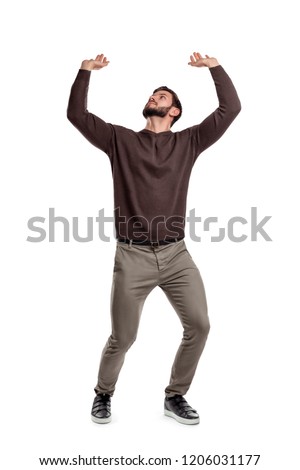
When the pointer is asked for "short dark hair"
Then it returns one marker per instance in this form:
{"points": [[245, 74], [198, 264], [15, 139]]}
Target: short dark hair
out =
{"points": [[175, 102]]}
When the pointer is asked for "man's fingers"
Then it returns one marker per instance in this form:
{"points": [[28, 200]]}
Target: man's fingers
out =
{"points": [[99, 57], [198, 55], [101, 60]]}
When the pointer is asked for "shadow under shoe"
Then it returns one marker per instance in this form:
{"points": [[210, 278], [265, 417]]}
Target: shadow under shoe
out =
{"points": [[178, 408], [101, 410]]}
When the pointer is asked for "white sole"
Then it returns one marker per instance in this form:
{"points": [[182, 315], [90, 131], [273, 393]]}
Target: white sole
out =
{"points": [[101, 420], [170, 414]]}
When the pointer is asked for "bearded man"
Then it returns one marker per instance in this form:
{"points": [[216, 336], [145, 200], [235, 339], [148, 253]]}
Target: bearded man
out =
{"points": [[151, 170]]}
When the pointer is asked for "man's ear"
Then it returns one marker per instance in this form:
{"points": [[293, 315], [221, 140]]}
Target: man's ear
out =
{"points": [[174, 112]]}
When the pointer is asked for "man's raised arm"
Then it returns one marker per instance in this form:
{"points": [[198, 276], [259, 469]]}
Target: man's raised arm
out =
{"points": [[214, 126], [94, 129]]}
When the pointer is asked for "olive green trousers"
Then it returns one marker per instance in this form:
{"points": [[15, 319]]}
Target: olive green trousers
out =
{"points": [[138, 269]]}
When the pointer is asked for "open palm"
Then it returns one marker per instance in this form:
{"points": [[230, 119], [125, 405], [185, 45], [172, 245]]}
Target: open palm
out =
{"points": [[198, 61], [95, 64]]}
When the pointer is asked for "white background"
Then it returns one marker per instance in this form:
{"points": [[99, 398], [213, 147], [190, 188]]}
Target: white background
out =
{"points": [[55, 296]]}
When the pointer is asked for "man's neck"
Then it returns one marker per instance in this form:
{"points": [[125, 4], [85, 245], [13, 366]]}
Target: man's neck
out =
{"points": [[157, 125]]}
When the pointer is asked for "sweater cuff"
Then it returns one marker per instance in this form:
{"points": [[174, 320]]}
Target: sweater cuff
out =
{"points": [[217, 71], [84, 74]]}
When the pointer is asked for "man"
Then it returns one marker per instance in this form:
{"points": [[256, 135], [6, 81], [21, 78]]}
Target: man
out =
{"points": [[151, 171]]}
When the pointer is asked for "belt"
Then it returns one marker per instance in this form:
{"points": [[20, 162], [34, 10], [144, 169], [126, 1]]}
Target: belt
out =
{"points": [[149, 242]]}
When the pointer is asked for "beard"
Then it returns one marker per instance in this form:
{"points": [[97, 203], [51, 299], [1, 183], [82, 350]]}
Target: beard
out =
{"points": [[162, 111]]}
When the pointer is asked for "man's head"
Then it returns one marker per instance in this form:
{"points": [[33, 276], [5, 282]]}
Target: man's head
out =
{"points": [[163, 101]]}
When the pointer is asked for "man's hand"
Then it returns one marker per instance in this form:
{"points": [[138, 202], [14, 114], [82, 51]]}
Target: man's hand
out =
{"points": [[198, 61], [95, 64]]}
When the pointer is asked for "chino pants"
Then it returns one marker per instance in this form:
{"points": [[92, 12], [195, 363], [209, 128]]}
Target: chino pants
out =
{"points": [[138, 269]]}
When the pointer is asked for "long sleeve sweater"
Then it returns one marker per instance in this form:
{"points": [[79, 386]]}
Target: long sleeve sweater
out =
{"points": [[151, 171]]}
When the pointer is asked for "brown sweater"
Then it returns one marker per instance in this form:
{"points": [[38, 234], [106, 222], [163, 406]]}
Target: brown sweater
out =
{"points": [[151, 170]]}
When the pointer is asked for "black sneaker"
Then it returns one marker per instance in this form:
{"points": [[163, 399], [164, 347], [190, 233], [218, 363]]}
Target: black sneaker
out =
{"points": [[101, 409], [178, 408]]}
